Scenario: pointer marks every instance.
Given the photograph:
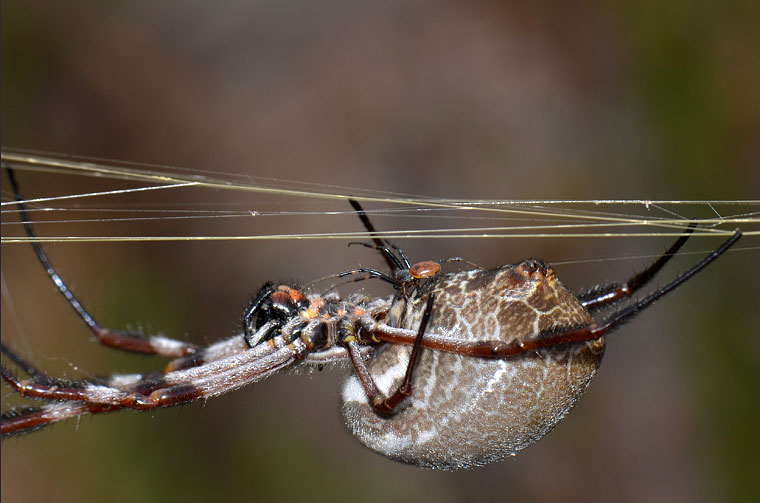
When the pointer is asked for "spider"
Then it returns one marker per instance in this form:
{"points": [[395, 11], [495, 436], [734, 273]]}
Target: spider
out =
{"points": [[453, 370]]}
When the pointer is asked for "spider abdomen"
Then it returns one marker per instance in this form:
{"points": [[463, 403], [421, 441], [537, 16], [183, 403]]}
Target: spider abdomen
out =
{"points": [[466, 411]]}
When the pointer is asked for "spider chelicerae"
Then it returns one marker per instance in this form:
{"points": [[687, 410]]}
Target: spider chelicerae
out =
{"points": [[453, 370]]}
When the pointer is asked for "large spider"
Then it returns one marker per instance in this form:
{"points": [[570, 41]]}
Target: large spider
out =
{"points": [[454, 370]]}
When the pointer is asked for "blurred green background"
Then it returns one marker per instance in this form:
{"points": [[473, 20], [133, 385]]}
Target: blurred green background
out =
{"points": [[478, 100]]}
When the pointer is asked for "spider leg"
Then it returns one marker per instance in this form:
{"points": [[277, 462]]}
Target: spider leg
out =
{"points": [[396, 261], [28, 419], [252, 311], [393, 262], [400, 262], [377, 400], [36, 375], [496, 349], [217, 351], [605, 295], [120, 339], [148, 392], [236, 344], [21, 363], [369, 273]]}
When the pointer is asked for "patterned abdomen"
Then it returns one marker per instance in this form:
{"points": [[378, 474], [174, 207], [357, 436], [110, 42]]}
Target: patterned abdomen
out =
{"points": [[467, 411]]}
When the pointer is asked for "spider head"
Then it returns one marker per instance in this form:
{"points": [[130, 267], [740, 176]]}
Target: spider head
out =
{"points": [[272, 307], [281, 305]]}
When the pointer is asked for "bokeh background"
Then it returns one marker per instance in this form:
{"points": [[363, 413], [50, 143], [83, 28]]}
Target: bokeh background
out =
{"points": [[631, 99]]}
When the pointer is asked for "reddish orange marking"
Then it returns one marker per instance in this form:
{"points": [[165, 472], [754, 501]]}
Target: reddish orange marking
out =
{"points": [[425, 269], [319, 302], [314, 308], [280, 297]]}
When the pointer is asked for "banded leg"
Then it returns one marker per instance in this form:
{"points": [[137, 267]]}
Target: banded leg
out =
{"points": [[28, 419], [144, 393], [377, 400], [605, 295], [120, 339], [497, 349]]}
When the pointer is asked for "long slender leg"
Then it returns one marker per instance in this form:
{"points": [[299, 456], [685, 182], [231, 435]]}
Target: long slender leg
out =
{"points": [[29, 369], [390, 259], [217, 351], [20, 362], [395, 262], [496, 349], [401, 261], [28, 419], [150, 393], [378, 401], [605, 295], [367, 273], [119, 339], [180, 387]]}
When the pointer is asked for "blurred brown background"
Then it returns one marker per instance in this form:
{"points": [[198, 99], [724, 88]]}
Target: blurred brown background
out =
{"points": [[485, 100]]}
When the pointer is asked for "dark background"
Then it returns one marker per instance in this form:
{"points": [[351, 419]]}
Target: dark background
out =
{"points": [[485, 100]]}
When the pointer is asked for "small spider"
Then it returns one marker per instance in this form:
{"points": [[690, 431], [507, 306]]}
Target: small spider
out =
{"points": [[454, 370]]}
